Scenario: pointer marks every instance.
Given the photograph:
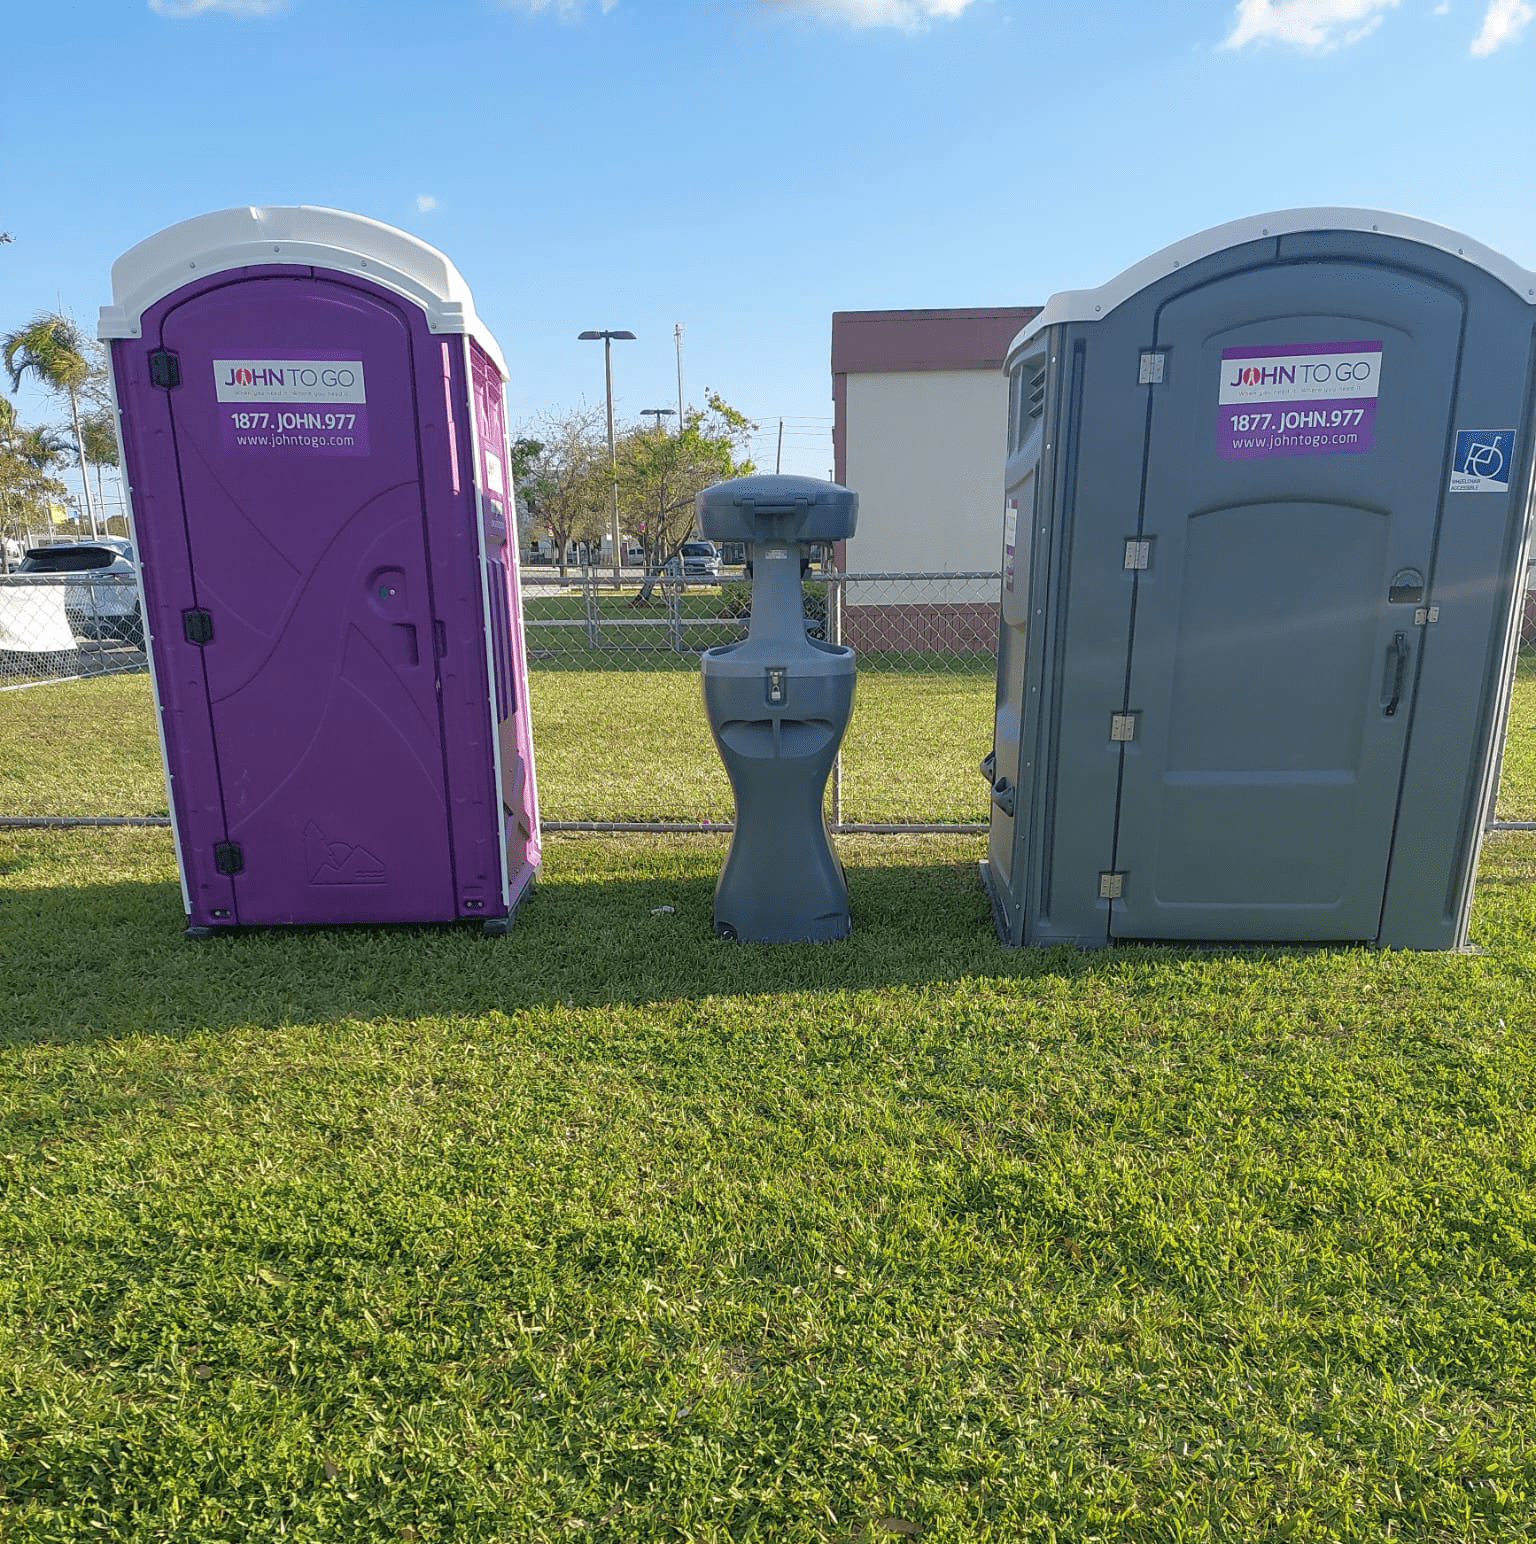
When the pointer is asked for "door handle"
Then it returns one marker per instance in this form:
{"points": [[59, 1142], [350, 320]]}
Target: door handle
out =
{"points": [[1005, 795], [405, 650], [1393, 674]]}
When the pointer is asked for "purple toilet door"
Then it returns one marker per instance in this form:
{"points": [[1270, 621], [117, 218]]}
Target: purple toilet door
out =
{"points": [[296, 434]]}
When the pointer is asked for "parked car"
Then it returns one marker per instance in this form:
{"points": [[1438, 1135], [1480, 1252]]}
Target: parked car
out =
{"points": [[104, 605], [698, 560]]}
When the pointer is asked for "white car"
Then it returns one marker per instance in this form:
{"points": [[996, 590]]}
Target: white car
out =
{"points": [[697, 560], [101, 594]]}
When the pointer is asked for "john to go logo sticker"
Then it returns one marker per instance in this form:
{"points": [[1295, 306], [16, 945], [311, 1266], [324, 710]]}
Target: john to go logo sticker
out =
{"points": [[1298, 399]]}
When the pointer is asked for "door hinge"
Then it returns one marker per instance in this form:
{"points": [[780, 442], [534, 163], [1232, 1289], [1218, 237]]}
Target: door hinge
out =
{"points": [[1122, 727], [1151, 371], [1424, 615], [1111, 886], [164, 369], [1138, 552], [228, 858], [197, 626]]}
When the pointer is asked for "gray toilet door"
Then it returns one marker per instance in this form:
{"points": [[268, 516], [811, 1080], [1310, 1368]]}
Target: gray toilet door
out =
{"points": [[1295, 460]]}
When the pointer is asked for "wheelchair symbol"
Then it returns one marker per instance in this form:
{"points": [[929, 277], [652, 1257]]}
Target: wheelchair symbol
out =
{"points": [[1485, 461]]}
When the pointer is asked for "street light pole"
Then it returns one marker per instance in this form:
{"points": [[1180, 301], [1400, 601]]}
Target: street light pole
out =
{"points": [[613, 460], [677, 338], [658, 413]]}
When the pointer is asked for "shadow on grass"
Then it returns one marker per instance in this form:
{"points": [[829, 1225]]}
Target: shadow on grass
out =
{"points": [[90, 961], [83, 960]]}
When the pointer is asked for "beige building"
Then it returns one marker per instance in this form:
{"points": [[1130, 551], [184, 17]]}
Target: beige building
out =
{"points": [[920, 407]]}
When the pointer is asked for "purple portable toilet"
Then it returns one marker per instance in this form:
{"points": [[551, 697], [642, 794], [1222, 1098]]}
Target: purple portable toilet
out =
{"points": [[316, 449]]}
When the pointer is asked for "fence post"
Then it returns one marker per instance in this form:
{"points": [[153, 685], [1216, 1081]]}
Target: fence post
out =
{"points": [[674, 595], [835, 636], [589, 601]]}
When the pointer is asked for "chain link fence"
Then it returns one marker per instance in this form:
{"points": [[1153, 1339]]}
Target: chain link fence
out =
{"points": [[620, 734], [619, 728], [62, 626], [618, 716]]}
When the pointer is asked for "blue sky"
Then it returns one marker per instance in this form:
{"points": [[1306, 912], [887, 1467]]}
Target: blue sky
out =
{"points": [[746, 167]]}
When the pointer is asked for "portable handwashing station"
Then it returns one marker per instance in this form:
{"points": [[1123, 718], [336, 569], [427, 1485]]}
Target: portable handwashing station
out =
{"points": [[778, 704]]}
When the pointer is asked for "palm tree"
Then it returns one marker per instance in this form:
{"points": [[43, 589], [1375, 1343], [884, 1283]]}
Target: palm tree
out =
{"points": [[100, 447], [41, 447], [54, 349], [26, 489]]}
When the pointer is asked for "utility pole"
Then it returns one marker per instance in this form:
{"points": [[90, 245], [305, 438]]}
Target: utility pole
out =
{"points": [[778, 455]]}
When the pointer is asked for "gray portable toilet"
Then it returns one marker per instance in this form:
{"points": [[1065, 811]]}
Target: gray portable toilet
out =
{"points": [[1264, 536], [778, 703]]}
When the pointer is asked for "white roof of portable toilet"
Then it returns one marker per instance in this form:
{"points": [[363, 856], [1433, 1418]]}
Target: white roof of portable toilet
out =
{"points": [[300, 234], [1091, 305]]}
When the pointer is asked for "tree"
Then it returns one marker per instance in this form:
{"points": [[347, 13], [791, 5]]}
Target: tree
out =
{"points": [[98, 447], [26, 489], [525, 456], [560, 471], [54, 349], [660, 475], [41, 448]]}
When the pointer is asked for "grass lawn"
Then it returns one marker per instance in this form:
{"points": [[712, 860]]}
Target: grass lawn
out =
{"points": [[610, 744], [610, 1230], [1517, 787], [627, 746]]}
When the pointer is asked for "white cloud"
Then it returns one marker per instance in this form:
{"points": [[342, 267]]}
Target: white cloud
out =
{"points": [[229, 7], [907, 15], [1316, 25], [1503, 22], [425, 203], [566, 10], [1443, 9]]}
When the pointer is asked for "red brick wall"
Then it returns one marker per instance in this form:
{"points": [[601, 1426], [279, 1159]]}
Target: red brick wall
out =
{"points": [[968, 627], [971, 627]]}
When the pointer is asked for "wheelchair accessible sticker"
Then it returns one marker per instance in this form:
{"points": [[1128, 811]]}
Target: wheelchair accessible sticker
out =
{"points": [[1481, 462]]}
